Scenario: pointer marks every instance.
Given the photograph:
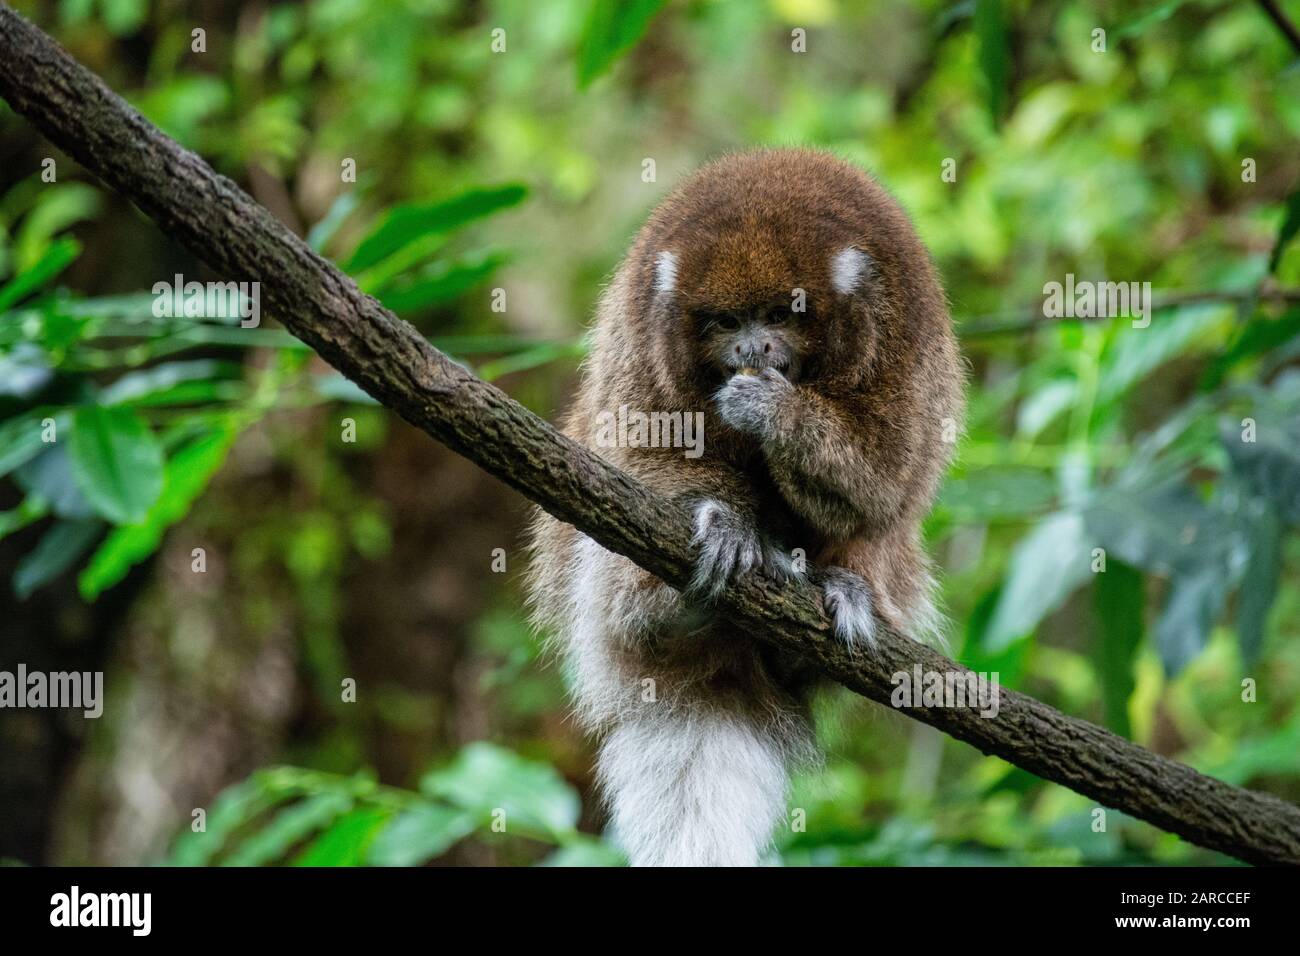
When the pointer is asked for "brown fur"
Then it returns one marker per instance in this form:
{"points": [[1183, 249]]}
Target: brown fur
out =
{"points": [[848, 472]]}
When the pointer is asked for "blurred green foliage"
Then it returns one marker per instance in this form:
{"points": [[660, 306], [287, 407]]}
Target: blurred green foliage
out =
{"points": [[1174, 448], [309, 818]]}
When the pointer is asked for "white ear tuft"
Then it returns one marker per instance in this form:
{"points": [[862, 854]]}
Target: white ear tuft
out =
{"points": [[848, 268], [666, 272]]}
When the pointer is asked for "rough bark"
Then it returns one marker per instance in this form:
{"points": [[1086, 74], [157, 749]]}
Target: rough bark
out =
{"points": [[390, 360]]}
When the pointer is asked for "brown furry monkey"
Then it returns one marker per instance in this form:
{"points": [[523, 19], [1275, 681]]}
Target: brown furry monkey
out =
{"points": [[782, 299]]}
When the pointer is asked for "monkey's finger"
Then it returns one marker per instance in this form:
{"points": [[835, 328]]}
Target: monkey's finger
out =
{"points": [[778, 565], [848, 602]]}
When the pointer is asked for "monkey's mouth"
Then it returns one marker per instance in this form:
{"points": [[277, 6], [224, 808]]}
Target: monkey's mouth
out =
{"points": [[755, 366]]}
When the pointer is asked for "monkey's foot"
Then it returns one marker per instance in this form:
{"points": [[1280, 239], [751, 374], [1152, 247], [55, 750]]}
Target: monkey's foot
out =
{"points": [[847, 599], [729, 546]]}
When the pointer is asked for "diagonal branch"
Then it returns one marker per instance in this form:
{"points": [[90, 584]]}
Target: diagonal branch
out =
{"points": [[389, 359], [1282, 22]]}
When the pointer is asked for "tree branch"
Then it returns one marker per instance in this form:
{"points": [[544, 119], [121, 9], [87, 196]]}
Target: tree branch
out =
{"points": [[1281, 21], [390, 360]]}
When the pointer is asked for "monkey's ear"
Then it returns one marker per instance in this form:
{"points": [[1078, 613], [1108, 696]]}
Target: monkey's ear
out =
{"points": [[850, 267], [665, 272]]}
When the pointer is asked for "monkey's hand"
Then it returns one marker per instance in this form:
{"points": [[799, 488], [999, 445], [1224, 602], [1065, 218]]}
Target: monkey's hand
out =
{"points": [[847, 599], [730, 545], [750, 403]]}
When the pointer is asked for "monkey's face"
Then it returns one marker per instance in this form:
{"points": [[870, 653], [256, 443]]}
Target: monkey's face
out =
{"points": [[749, 340], [783, 260], [759, 296]]}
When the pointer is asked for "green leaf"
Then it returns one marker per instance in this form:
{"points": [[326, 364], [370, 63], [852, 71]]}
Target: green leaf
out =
{"points": [[485, 778], [183, 105], [124, 17], [998, 493], [31, 509], [57, 550], [1183, 629], [1119, 601], [58, 257], [991, 31], [291, 826], [236, 807], [613, 27], [340, 388], [60, 330], [55, 209], [133, 307], [24, 370], [193, 393], [1046, 566], [1270, 464], [117, 462], [407, 223], [49, 476], [585, 851], [20, 437], [1135, 353], [187, 474], [482, 344], [1041, 408], [1259, 584], [1166, 529], [136, 386], [1008, 662], [420, 834], [532, 358], [346, 842], [1274, 755], [442, 283], [1143, 22], [1290, 226], [324, 231], [1260, 335]]}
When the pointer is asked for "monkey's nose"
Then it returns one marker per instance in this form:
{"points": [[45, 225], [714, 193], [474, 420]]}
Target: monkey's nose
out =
{"points": [[752, 347]]}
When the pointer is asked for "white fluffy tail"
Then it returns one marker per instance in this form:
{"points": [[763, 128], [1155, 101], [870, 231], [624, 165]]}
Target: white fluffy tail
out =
{"points": [[693, 790]]}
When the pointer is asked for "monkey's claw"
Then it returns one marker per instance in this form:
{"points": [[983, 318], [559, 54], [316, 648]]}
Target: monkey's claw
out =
{"points": [[847, 599], [729, 546], [778, 565]]}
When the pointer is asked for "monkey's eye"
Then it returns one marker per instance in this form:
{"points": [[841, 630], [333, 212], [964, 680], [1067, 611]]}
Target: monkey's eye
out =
{"points": [[778, 314], [721, 320]]}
